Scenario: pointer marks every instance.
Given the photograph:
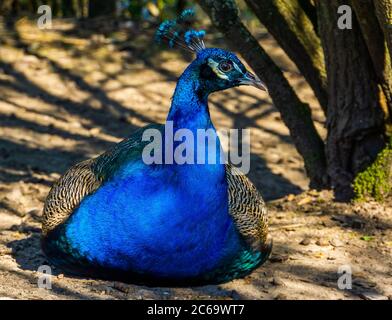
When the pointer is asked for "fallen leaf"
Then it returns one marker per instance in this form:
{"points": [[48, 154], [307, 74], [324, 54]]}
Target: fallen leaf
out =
{"points": [[388, 243], [290, 197], [322, 242], [305, 200], [319, 255], [367, 238]]}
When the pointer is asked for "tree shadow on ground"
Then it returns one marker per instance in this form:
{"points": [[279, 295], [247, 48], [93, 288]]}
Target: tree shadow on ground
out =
{"points": [[105, 119], [61, 291]]}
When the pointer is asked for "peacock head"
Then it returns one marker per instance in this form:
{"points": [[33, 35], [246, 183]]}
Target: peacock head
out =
{"points": [[220, 69], [215, 69]]}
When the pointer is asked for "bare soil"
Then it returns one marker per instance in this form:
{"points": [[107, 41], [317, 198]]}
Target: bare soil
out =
{"points": [[67, 94]]}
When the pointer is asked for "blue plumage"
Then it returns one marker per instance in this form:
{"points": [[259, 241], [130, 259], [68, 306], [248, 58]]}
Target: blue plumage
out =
{"points": [[177, 32], [190, 35], [155, 234], [181, 203], [186, 15], [162, 222]]}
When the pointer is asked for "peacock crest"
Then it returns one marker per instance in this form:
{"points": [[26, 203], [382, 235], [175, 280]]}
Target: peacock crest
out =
{"points": [[179, 32]]}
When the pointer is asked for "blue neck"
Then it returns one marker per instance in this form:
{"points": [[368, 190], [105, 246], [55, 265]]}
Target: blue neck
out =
{"points": [[189, 108]]}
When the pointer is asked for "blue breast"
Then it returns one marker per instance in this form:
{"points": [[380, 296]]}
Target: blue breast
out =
{"points": [[159, 220]]}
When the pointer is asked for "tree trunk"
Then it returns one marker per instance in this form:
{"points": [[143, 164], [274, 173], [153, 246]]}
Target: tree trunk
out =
{"points": [[6, 7], [67, 8], [295, 114], [80, 9], [355, 119], [376, 45], [98, 8], [33, 6], [15, 8], [311, 12], [54, 4], [293, 30], [384, 15]]}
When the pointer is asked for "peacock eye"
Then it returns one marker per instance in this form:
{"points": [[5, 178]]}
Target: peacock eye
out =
{"points": [[225, 66]]}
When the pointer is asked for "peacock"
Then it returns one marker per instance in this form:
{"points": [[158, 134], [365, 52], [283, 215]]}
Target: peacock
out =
{"points": [[117, 217]]}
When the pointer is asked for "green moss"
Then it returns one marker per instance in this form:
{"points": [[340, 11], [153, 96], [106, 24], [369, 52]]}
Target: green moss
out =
{"points": [[375, 181]]}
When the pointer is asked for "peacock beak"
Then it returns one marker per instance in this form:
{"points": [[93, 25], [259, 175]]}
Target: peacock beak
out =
{"points": [[252, 80]]}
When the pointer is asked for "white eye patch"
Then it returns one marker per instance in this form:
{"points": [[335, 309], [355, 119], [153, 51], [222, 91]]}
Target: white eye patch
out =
{"points": [[215, 67]]}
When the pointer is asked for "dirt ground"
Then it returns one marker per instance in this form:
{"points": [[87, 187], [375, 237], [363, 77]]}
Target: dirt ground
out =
{"points": [[68, 94]]}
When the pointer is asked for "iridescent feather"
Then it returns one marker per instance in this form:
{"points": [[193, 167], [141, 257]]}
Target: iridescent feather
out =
{"points": [[178, 33]]}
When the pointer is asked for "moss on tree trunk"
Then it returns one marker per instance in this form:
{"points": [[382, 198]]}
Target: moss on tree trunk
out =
{"points": [[376, 181]]}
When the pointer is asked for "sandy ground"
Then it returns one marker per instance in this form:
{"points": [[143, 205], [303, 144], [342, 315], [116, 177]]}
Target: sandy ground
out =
{"points": [[68, 94]]}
